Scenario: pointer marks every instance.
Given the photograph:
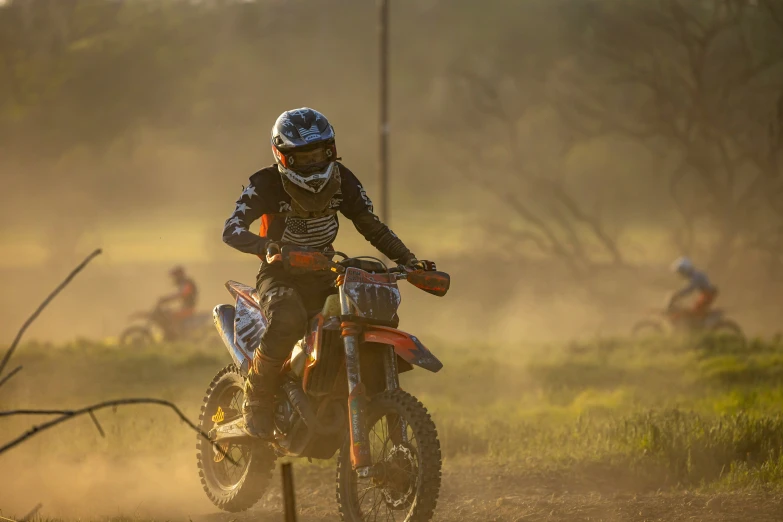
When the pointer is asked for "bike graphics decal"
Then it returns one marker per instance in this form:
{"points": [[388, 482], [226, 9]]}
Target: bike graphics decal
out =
{"points": [[249, 325]]}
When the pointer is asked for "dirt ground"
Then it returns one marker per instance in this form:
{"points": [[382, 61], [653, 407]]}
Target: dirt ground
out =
{"points": [[471, 491], [483, 494], [144, 469]]}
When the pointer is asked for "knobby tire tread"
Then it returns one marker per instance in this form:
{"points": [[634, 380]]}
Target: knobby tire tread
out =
{"points": [[262, 461], [430, 461]]}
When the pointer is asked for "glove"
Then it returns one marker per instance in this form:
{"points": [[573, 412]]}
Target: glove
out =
{"points": [[408, 260], [273, 252]]}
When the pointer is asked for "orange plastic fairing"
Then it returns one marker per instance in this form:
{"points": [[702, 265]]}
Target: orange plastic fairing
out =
{"points": [[309, 260], [435, 283], [405, 345]]}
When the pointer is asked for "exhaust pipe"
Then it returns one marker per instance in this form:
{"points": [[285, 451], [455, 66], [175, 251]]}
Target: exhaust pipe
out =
{"points": [[223, 315]]}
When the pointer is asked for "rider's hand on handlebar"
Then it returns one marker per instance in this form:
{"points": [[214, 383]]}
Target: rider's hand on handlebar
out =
{"points": [[427, 266], [412, 263], [273, 252]]}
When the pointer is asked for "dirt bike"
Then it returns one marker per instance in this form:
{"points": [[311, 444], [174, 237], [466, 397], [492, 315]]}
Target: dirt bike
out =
{"points": [[676, 320], [340, 391], [157, 325]]}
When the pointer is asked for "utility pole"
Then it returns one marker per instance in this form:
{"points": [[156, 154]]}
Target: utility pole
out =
{"points": [[383, 144]]}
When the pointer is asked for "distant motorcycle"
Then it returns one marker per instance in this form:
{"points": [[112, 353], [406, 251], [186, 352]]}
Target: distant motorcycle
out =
{"points": [[158, 325], [676, 320]]}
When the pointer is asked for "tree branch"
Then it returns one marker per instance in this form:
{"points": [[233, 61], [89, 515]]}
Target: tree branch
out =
{"points": [[43, 305], [66, 415]]}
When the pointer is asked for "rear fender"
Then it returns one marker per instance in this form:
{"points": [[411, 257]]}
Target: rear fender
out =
{"points": [[249, 324], [407, 346], [224, 316]]}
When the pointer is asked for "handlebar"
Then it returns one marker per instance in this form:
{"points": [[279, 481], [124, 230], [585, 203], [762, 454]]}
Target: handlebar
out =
{"points": [[422, 274]]}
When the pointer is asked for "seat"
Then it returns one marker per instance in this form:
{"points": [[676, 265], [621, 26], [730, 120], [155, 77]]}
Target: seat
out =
{"points": [[330, 308], [248, 292]]}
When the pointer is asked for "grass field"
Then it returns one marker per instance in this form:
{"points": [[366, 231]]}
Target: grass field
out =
{"points": [[607, 429]]}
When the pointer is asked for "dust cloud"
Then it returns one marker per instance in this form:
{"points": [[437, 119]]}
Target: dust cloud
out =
{"points": [[143, 154], [145, 158], [132, 126], [148, 487]]}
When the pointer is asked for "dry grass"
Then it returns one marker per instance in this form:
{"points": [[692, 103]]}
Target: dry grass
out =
{"points": [[604, 417]]}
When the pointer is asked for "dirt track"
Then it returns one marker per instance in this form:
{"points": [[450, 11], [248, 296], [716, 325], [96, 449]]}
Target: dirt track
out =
{"points": [[95, 489], [144, 469], [483, 494]]}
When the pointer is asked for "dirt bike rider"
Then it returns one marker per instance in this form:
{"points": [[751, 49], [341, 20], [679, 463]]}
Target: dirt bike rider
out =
{"points": [[297, 200], [697, 282], [187, 295]]}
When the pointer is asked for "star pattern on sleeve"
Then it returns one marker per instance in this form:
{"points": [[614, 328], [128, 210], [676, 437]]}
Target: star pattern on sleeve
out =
{"points": [[238, 230], [250, 191], [242, 207]]}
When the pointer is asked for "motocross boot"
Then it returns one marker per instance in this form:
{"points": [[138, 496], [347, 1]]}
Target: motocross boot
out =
{"points": [[258, 406]]}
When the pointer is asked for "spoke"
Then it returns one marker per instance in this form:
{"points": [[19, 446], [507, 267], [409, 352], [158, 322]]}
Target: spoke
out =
{"points": [[372, 503], [365, 491], [411, 437], [383, 446], [394, 431], [385, 440], [375, 508]]}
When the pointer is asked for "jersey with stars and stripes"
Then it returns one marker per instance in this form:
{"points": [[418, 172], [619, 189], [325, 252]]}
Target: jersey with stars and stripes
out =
{"points": [[266, 200]]}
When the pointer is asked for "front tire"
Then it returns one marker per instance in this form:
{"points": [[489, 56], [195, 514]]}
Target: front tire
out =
{"points": [[729, 329], [406, 475], [231, 487]]}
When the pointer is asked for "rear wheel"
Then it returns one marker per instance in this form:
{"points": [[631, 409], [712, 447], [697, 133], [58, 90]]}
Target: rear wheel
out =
{"points": [[137, 337], [231, 487], [647, 327], [406, 472]]}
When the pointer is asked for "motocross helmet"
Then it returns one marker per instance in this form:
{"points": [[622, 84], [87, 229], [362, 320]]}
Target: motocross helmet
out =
{"points": [[682, 265], [177, 273], [305, 152]]}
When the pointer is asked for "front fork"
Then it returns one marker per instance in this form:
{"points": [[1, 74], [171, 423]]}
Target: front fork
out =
{"points": [[361, 458]]}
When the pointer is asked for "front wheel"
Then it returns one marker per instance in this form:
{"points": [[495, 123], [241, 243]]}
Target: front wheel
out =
{"points": [[231, 486], [406, 464], [729, 329]]}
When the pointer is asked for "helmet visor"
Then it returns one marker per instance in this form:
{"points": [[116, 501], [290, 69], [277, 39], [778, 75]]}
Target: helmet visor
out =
{"points": [[308, 160]]}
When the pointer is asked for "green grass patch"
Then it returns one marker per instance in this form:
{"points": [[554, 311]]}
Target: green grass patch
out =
{"points": [[659, 413]]}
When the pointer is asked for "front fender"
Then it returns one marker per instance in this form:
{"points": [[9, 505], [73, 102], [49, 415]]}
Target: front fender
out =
{"points": [[407, 346]]}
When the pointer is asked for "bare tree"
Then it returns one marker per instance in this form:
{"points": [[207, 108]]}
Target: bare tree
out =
{"points": [[505, 138], [700, 83]]}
